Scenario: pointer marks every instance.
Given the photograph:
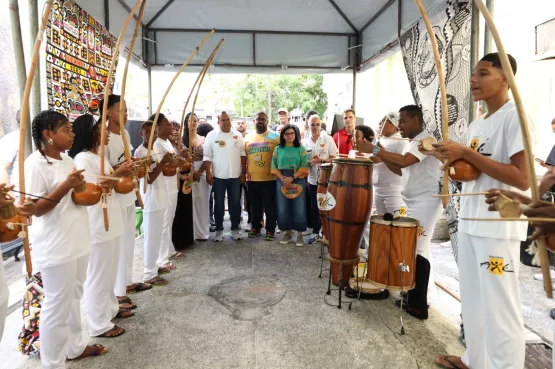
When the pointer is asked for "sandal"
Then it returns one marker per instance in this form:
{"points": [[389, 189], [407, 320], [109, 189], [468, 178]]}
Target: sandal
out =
{"points": [[124, 314], [128, 304], [91, 350], [177, 255], [447, 362], [169, 266], [158, 281], [138, 287], [162, 270], [115, 331]]}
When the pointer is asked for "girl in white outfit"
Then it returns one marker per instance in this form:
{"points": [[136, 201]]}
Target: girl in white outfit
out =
{"points": [[100, 299], [62, 245]]}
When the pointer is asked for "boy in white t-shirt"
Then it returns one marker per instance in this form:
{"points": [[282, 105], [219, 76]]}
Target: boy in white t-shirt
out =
{"points": [[489, 252], [154, 200]]}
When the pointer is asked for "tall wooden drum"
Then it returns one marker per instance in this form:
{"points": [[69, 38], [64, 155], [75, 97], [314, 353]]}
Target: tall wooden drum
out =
{"points": [[322, 196], [392, 243], [349, 204]]}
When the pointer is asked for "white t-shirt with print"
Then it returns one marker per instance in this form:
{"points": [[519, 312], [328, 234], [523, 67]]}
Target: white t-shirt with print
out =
{"points": [[91, 163], [163, 147], [115, 154], [385, 181], [421, 179], [61, 235], [324, 147], [155, 198], [224, 150], [498, 137]]}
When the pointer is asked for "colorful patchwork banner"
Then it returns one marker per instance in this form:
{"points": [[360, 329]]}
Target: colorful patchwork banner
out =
{"points": [[79, 51]]}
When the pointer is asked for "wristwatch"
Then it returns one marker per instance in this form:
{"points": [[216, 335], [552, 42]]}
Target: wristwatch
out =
{"points": [[376, 150]]}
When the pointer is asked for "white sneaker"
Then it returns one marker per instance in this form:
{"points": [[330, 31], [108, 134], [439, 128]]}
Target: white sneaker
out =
{"points": [[445, 244], [236, 234], [539, 276], [287, 238], [219, 236], [300, 240]]}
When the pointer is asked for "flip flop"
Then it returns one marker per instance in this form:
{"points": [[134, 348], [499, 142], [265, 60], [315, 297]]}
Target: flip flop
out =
{"points": [[94, 350], [127, 301], [177, 255], [158, 281], [139, 287], [108, 334], [449, 360], [124, 314]]}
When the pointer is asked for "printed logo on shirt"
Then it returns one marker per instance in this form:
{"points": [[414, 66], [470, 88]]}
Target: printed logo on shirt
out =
{"points": [[257, 147], [475, 145], [258, 161], [403, 212], [322, 145], [421, 232], [496, 265], [221, 143], [235, 137]]}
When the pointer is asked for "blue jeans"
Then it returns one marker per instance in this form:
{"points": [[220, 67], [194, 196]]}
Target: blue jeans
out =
{"points": [[291, 212], [232, 186]]}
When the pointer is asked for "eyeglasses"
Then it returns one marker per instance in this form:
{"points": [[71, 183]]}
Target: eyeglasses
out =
{"points": [[315, 125], [289, 133]]}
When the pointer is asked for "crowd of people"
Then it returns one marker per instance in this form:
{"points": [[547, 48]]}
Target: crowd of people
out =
{"points": [[76, 255]]}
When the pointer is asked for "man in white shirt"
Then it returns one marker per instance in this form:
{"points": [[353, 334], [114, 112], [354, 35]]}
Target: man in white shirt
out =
{"points": [[321, 149], [420, 180], [224, 150], [489, 252], [387, 178]]}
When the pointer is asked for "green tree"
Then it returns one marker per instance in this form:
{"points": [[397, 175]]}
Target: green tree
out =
{"points": [[256, 92]]}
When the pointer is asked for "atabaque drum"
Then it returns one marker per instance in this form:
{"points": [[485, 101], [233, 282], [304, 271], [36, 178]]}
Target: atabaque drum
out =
{"points": [[392, 246], [322, 196], [349, 205]]}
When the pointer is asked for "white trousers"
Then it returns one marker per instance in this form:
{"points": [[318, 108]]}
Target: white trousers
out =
{"points": [[427, 211], [201, 211], [100, 299], [490, 294], [4, 294], [60, 317], [153, 223], [126, 251], [167, 248], [384, 204]]}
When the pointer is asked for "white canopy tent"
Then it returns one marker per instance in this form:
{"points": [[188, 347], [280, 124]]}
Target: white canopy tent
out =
{"points": [[265, 36]]}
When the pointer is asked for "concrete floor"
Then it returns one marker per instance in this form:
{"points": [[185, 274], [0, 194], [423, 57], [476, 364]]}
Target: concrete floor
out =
{"points": [[182, 326]]}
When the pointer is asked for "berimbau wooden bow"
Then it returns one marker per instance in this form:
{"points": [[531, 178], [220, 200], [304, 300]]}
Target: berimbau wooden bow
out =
{"points": [[107, 90], [155, 122], [23, 125], [201, 78], [126, 150], [507, 69], [442, 88]]}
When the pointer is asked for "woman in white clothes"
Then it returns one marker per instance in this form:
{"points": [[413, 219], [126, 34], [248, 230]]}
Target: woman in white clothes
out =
{"points": [[62, 246], [201, 189], [115, 154], [102, 305]]}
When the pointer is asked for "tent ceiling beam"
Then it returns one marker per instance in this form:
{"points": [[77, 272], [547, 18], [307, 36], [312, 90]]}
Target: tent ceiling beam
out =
{"points": [[252, 31], [128, 9], [159, 13], [383, 9], [338, 9], [256, 66]]}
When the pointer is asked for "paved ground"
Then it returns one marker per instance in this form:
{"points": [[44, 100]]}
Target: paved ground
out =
{"points": [[183, 326]]}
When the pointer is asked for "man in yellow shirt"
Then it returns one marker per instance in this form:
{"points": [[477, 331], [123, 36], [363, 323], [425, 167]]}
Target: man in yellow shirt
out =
{"points": [[260, 146]]}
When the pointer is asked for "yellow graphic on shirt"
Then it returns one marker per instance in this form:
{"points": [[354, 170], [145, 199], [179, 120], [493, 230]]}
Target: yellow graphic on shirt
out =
{"points": [[496, 265], [474, 144], [420, 231], [258, 161], [221, 143], [403, 212]]}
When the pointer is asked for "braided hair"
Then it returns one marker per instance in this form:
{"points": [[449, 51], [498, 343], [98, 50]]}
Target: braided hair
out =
{"points": [[87, 134], [45, 120]]}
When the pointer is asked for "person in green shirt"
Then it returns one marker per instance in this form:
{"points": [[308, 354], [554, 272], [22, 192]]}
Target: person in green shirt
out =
{"points": [[290, 166]]}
